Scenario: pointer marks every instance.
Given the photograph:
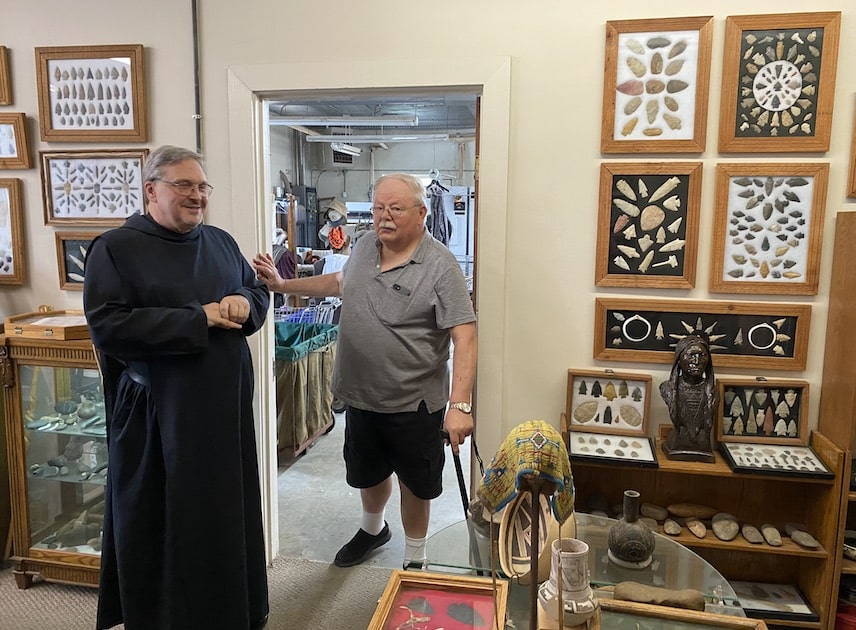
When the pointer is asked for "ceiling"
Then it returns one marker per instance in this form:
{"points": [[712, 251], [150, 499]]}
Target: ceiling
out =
{"points": [[444, 113]]}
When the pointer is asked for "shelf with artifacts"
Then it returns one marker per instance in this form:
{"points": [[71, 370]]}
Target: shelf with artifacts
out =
{"points": [[754, 498], [56, 437]]}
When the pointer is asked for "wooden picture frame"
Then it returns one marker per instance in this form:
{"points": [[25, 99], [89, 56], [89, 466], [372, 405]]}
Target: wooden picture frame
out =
{"points": [[762, 411], [440, 591], [763, 335], [851, 179], [696, 619], [92, 93], [655, 89], [5, 78], [14, 148], [12, 260], [71, 250], [647, 229], [92, 187], [760, 112], [606, 401], [768, 228]]}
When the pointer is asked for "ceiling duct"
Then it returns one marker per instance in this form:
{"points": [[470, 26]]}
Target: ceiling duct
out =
{"points": [[346, 121], [347, 149], [374, 139]]}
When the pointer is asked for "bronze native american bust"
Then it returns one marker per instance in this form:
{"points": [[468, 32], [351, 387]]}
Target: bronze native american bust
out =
{"points": [[691, 396]]}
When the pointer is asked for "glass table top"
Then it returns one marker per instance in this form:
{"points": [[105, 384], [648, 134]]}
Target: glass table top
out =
{"points": [[461, 547]]}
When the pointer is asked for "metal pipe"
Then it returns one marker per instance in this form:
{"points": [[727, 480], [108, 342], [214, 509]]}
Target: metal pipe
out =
{"points": [[197, 116]]}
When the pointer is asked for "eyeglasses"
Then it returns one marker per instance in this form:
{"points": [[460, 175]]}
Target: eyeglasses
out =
{"points": [[186, 188], [393, 210]]}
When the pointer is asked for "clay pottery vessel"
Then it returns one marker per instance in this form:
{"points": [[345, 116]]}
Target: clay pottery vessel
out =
{"points": [[569, 576], [631, 542], [86, 410]]}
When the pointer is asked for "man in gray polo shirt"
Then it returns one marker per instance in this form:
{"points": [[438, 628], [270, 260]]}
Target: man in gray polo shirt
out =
{"points": [[404, 299]]}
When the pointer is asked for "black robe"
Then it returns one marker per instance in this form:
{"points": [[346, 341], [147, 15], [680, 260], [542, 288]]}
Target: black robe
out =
{"points": [[182, 543]]}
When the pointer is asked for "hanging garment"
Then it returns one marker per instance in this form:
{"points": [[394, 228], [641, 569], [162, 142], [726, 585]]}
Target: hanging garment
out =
{"points": [[439, 222]]}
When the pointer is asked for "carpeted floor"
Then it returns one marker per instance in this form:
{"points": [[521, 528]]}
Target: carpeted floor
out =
{"points": [[303, 594]]}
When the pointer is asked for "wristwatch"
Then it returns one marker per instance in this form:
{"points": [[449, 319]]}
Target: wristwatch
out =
{"points": [[461, 406]]}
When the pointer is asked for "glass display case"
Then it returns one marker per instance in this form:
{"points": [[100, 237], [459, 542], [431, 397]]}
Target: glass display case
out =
{"points": [[57, 441]]}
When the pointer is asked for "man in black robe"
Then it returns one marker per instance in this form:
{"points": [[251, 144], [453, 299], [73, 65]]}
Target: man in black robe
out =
{"points": [[169, 303]]}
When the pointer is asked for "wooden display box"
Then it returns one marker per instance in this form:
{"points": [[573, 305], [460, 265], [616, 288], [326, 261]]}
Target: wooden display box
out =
{"points": [[762, 411], [62, 325], [437, 596]]}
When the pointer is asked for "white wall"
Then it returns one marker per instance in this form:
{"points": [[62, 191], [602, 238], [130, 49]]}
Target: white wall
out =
{"points": [[557, 50], [164, 28], [544, 296]]}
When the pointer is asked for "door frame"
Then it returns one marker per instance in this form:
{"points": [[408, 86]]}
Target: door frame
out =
{"points": [[248, 87]]}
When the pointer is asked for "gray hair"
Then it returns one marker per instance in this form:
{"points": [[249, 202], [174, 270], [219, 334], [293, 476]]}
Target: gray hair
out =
{"points": [[168, 155], [413, 184]]}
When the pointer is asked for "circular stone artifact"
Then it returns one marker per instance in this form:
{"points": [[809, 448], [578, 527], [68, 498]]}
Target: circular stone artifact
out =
{"points": [[65, 407], [725, 526]]}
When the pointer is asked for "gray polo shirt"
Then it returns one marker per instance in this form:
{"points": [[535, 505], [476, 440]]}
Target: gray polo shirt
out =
{"points": [[393, 345]]}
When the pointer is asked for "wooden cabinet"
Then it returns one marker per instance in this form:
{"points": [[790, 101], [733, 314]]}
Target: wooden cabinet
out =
{"points": [[837, 415], [57, 448], [752, 498]]}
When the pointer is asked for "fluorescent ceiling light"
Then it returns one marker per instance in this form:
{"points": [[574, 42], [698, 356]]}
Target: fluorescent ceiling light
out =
{"points": [[346, 121], [347, 149], [379, 138]]}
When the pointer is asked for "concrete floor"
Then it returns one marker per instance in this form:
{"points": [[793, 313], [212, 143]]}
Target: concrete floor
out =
{"points": [[319, 512]]}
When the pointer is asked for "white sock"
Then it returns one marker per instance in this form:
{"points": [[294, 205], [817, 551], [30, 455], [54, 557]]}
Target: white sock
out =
{"points": [[372, 523], [414, 550]]}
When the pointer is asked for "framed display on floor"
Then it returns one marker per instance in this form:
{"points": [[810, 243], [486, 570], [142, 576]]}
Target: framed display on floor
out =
{"points": [[92, 187], [647, 228], [92, 93], [762, 335], [14, 148], [768, 228], [71, 250], [778, 82], [655, 86], [12, 264], [414, 599]]}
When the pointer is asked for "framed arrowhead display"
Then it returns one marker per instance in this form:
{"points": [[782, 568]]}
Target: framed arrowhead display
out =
{"points": [[655, 87], [778, 82], [647, 230], [768, 228], [763, 335], [92, 93]]}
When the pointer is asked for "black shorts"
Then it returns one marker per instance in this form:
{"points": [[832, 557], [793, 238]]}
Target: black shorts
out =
{"points": [[408, 444]]}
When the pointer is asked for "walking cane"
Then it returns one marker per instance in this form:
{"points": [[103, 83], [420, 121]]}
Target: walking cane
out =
{"points": [[465, 501]]}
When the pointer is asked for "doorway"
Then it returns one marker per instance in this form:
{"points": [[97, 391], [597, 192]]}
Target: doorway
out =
{"points": [[250, 86], [331, 148]]}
